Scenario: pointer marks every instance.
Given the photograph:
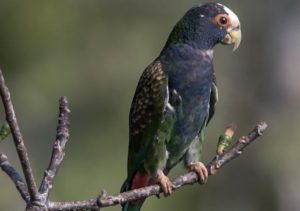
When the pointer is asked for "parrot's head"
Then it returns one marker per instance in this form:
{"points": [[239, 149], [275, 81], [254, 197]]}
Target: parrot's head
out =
{"points": [[203, 26]]}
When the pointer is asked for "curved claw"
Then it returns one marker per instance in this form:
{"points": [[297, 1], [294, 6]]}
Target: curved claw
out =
{"points": [[200, 170], [165, 183]]}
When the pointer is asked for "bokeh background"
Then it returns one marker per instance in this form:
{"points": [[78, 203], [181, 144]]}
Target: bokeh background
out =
{"points": [[94, 52]]}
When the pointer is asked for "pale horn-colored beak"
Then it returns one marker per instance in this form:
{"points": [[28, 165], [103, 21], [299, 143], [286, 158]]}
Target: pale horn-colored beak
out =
{"points": [[234, 36]]}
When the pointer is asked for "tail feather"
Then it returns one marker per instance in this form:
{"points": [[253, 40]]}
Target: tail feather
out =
{"points": [[133, 206], [125, 186], [139, 180]]}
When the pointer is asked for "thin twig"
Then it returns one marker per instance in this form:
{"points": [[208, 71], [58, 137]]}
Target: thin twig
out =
{"points": [[15, 177], [58, 152], [18, 139], [236, 149], [188, 179]]}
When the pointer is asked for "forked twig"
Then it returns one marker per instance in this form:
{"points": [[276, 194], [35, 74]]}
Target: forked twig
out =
{"points": [[18, 139]]}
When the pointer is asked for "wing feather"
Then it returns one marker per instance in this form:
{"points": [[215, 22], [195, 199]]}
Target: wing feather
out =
{"points": [[146, 113], [213, 100]]}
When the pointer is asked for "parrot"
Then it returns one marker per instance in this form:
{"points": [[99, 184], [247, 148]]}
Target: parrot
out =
{"points": [[175, 99]]}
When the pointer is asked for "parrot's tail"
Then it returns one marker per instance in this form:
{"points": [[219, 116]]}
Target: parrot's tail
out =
{"points": [[133, 206], [139, 180]]}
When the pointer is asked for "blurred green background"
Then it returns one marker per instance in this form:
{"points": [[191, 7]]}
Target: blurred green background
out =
{"points": [[94, 52]]}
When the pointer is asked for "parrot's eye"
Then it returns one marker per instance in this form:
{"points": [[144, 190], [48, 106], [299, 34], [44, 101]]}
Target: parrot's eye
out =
{"points": [[222, 20]]}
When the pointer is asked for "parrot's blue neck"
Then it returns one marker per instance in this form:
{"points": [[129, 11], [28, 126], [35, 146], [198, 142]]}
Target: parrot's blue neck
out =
{"points": [[185, 55]]}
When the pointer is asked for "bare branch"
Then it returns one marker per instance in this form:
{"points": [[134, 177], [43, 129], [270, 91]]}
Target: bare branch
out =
{"points": [[15, 177], [74, 205], [188, 179], [58, 152], [18, 139]]}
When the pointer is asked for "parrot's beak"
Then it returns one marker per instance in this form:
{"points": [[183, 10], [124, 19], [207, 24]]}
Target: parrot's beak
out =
{"points": [[234, 36]]}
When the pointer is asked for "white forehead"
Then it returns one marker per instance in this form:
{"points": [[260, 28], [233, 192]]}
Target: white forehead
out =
{"points": [[233, 17]]}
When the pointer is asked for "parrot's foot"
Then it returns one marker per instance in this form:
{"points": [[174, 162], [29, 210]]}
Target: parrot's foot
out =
{"points": [[164, 182], [200, 170]]}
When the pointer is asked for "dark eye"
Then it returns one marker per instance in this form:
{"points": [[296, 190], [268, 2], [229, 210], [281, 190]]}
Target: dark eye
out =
{"points": [[223, 20]]}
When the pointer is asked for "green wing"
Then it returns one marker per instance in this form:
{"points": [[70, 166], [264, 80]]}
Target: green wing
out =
{"points": [[146, 114], [213, 100]]}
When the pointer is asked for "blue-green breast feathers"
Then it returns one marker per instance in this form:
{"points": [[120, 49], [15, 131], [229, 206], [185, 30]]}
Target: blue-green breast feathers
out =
{"points": [[191, 74]]}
